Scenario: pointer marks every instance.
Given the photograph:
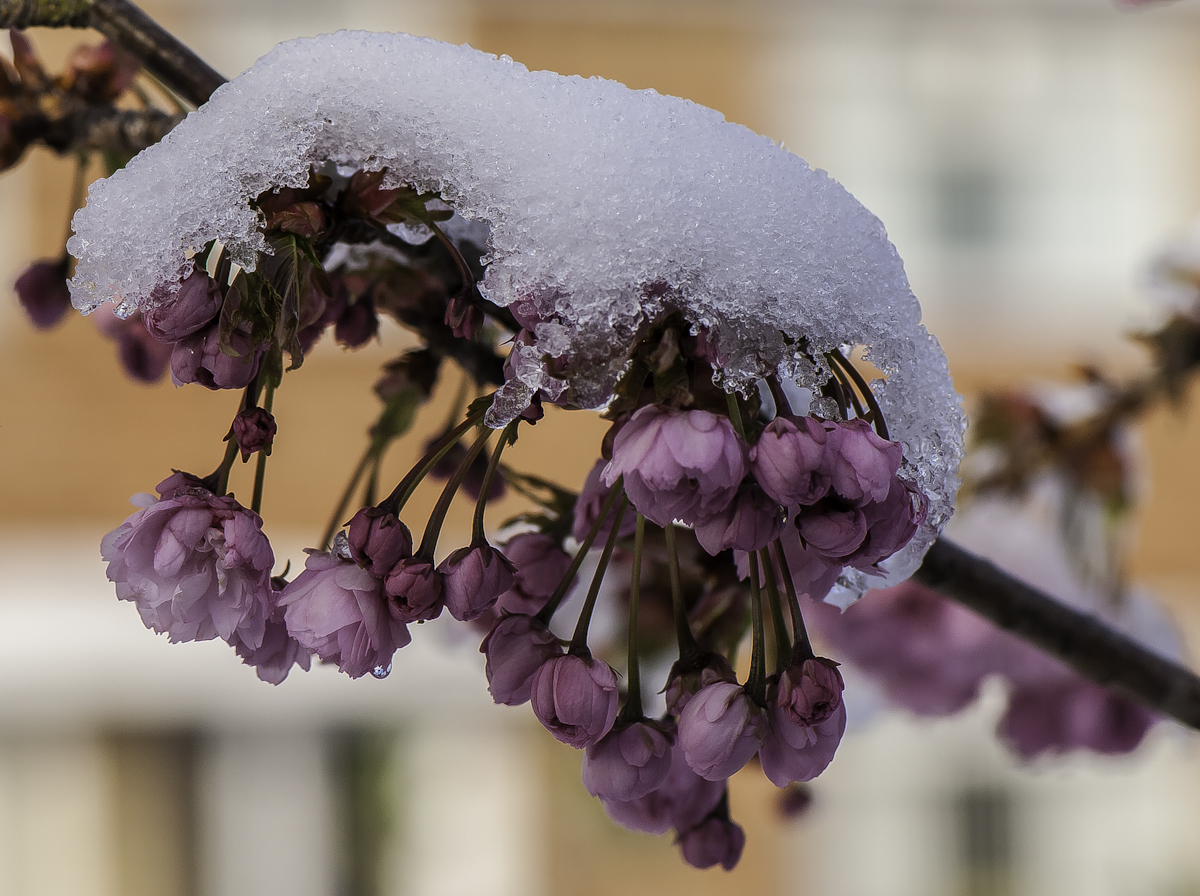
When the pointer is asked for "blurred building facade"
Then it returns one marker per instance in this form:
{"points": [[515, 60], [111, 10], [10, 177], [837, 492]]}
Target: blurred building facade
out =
{"points": [[1026, 158]]}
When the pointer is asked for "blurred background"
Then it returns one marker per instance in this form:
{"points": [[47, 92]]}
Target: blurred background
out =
{"points": [[1026, 158]]}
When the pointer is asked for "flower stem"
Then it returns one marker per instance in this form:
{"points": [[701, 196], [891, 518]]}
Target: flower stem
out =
{"points": [[434, 527], [404, 489], [632, 710], [547, 611], [260, 468], [507, 437], [689, 650], [801, 647], [579, 639], [868, 396], [756, 684], [347, 494], [735, 415], [783, 647]]}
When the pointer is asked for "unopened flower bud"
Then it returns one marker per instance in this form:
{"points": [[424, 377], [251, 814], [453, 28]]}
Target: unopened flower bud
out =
{"points": [[190, 310], [807, 720], [357, 324], [473, 578], [788, 460], [463, 317], [628, 762], [720, 729], [378, 540], [686, 679], [254, 430], [42, 291], [715, 841], [860, 463], [415, 589], [575, 698], [750, 522], [516, 647], [683, 800]]}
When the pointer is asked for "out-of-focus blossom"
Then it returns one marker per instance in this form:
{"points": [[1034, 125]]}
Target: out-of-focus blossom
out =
{"points": [[516, 647], [539, 564], [589, 503], [575, 698], [714, 841], [42, 291], [678, 465]]}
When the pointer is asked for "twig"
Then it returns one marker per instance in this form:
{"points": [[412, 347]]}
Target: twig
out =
{"points": [[1080, 640], [162, 54]]}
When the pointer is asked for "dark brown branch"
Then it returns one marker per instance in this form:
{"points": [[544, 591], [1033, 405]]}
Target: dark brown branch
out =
{"points": [[126, 131], [1079, 640], [160, 53]]}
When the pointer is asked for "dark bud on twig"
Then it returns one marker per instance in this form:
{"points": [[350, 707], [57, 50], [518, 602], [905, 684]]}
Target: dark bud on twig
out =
{"points": [[42, 291], [254, 430], [463, 317], [417, 368]]}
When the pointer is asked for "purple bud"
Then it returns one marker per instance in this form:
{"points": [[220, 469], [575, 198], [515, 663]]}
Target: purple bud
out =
{"points": [[199, 359], [715, 841], [463, 317], [684, 465], [539, 563], [860, 463], [189, 311], [472, 580], [254, 430], [42, 291], [575, 698], [788, 460], [338, 610], [516, 647], [274, 658], [807, 720], [751, 521], [720, 729], [681, 801], [357, 324], [378, 541], [628, 762], [415, 589], [685, 680], [832, 528]]}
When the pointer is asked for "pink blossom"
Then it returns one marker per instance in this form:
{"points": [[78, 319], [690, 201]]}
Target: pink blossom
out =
{"points": [[378, 540], [516, 647], [415, 589], [628, 762], [687, 678], [1067, 712], [338, 610], [190, 310], [275, 656], [199, 359], [678, 465], [575, 698], [42, 291], [197, 567], [720, 729], [788, 460], [807, 720], [472, 580], [254, 430], [860, 464], [751, 521]]}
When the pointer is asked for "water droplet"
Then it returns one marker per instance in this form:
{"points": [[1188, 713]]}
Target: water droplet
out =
{"points": [[382, 671]]}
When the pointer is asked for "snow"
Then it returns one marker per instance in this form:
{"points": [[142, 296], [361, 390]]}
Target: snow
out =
{"points": [[605, 205]]}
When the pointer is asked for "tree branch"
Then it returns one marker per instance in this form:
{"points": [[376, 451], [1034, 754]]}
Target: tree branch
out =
{"points": [[1080, 640], [160, 53]]}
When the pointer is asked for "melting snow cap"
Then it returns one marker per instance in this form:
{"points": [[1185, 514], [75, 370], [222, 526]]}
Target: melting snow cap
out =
{"points": [[606, 206]]}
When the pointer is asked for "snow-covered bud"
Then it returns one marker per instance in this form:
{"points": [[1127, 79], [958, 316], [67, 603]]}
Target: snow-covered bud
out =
{"points": [[788, 460], [860, 463], [378, 540], [575, 698], [254, 430], [516, 647], [628, 762], [472, 580], [678, 465], [720, 729], [188, 311]]}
